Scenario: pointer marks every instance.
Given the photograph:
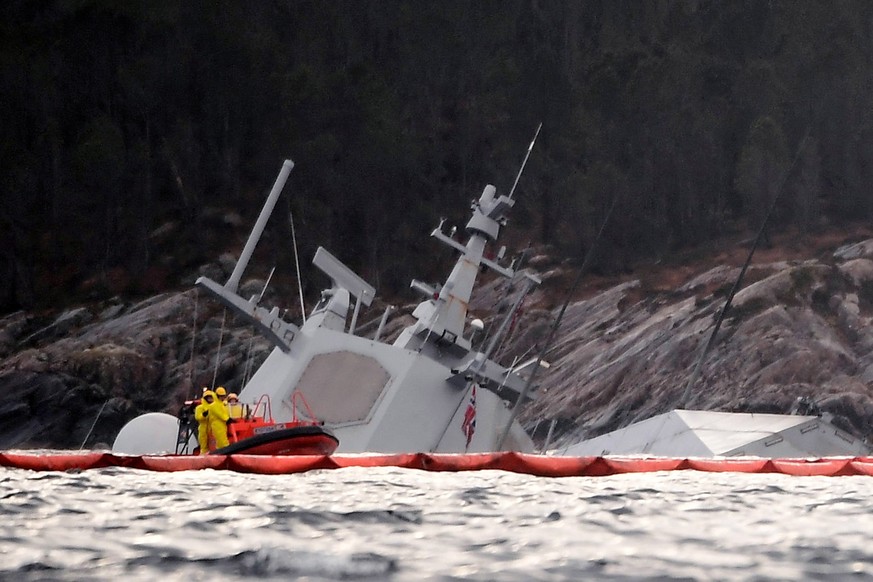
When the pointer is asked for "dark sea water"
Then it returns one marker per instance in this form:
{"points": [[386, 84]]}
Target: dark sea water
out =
{"points": [[405, 524]]}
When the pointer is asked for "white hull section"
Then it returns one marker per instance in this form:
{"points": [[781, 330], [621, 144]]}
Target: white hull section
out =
{"points": [[377, 397], [697, 433]]}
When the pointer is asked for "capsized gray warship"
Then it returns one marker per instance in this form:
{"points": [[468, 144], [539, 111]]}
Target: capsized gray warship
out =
{"points": [[428, 391]]}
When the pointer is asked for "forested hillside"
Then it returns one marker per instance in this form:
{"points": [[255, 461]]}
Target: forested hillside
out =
{"points": [[126, 125]]}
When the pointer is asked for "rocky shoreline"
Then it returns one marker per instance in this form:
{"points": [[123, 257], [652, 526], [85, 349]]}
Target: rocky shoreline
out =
{"points": [[798, 328]]}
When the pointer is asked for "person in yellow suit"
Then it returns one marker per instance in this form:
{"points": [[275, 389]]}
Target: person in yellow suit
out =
{"points": [[235, 408], [218, 416], [201, 413]]}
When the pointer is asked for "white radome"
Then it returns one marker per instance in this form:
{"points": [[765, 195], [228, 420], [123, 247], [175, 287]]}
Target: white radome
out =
{"points": [[150, 434]]}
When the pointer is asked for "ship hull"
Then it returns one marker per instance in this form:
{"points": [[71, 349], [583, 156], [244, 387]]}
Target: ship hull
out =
{"points": [[298, 440]]}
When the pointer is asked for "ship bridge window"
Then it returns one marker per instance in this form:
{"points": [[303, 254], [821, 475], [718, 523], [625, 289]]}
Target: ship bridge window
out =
{"points": [[342, 387]]}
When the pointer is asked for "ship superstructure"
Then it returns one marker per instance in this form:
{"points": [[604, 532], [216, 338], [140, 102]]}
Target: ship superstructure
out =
{"points": [[417, 394]]}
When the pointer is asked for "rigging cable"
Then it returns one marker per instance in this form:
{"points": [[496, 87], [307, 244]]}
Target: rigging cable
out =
{"points": [[684, 401], [93, 424], [499, 351], [248, 368], [193, 344], [489, 350], [589, 256], [297, 265], [218, 353]]}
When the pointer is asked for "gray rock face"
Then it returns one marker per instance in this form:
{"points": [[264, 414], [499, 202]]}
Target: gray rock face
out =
{"points": [[798, 328], [801, 329], [64, 379]]}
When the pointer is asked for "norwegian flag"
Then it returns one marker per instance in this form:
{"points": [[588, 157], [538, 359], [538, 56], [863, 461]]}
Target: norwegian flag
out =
{"points": [[469, 424]]}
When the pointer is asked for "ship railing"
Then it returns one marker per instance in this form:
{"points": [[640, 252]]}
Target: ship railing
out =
{"points": [[263, 408], [298, 402]]}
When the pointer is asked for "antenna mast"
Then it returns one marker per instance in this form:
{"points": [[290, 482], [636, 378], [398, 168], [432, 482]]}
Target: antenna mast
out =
{"points": [[526, 156]]}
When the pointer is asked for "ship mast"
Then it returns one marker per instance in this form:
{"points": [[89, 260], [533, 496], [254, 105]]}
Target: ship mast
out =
{"points": [[443, 315]]}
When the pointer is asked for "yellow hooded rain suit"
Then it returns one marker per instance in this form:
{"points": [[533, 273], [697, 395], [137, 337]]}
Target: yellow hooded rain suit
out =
{"points": [[218, 416], [201, 413]]}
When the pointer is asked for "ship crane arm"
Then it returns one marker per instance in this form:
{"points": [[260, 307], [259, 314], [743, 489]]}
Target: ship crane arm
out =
{"points": [[269, 323]]}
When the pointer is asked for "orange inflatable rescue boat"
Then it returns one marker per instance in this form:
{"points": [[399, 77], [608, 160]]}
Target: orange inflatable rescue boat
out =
{"points": [[251, 430]]}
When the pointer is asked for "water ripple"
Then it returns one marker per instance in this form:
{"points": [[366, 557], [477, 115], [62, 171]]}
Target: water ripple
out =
{"points": [[396, 524]]}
